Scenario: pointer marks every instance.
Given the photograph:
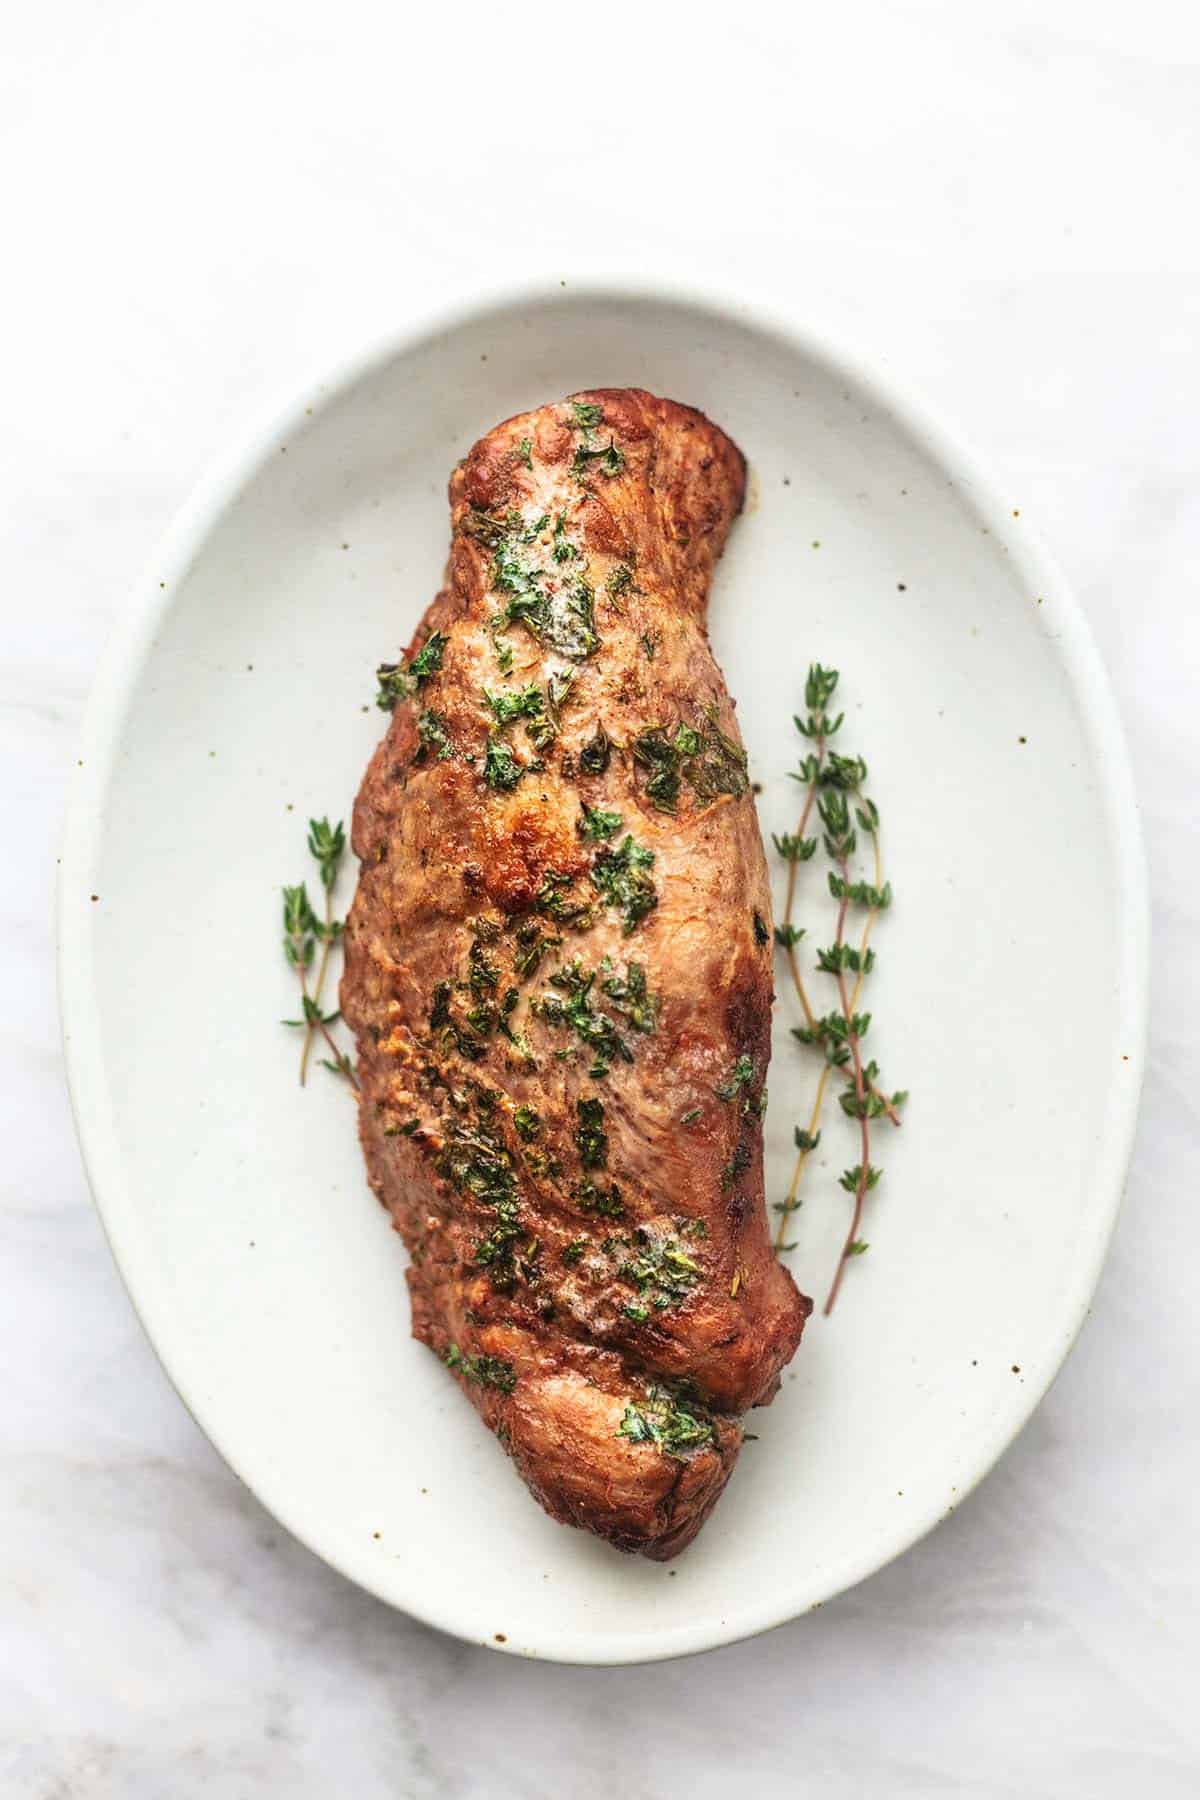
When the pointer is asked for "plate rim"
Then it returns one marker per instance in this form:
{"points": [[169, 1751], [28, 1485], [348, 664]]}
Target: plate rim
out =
{"points": [[114, 687]]}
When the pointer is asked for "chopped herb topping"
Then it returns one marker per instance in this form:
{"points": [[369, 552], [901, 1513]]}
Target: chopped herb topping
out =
{"points": [[540, 730], [591, 1139], [629, 995], [606, 1201], [619, 581], [620, 877], [558, 690], [577, 1012], [563, 619], [431, 729], [480, 525], [517, 1039], [478, 1165], [574, 1250], [563, 550], [687, 1117], [465, 1036], [740, 1076], [428, 659], [509, 575], [737, 1165], [660, 1269], [526, 1123], [711, 763], [483, 976], [717, 765], [595, 754], [532, 945], [598, 825], [650, 640], [653, 750], [544, 1166], [664, 1421], [397, 680], [481, 1019], [609, 458], [489, 1371], [556, 899], [525, 452], [588, 414], [394, 686], [514, 703], [527, 703], [500, 767]]}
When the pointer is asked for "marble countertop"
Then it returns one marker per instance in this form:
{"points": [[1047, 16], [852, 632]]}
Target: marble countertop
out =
{"points": [[202, 204]]}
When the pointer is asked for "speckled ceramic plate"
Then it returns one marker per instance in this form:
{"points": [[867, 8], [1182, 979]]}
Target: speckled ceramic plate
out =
{"points": [[1008, 996]]}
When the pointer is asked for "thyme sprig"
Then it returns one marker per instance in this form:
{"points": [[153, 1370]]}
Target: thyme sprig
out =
{"points": [[833, 784], [303, 930]]}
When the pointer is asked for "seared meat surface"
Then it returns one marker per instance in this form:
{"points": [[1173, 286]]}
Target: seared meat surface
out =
{"points": [[559, 972]]}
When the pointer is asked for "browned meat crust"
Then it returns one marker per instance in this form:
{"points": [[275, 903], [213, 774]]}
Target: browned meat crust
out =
{"points": [[563, 1017]]}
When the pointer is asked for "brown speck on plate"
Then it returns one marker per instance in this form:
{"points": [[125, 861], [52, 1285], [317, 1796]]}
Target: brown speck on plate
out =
{"points": [[1016, 1368], [95, 896], [501, 1638]]}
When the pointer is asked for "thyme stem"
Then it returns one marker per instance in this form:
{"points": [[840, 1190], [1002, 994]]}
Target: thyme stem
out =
{"points": [[864, 1128], [302, 929], [321, 968], [810, 1017], [814, 1121], [339, 1056], [834, 785]]}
